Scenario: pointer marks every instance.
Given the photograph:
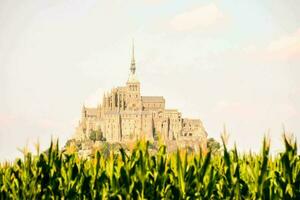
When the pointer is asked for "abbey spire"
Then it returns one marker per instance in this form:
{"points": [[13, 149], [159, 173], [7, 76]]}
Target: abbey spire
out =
{"points": [[132, 76], [132, 67]]}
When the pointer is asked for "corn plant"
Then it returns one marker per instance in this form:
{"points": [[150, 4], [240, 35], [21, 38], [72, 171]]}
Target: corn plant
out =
{"points": [[139, 174]]}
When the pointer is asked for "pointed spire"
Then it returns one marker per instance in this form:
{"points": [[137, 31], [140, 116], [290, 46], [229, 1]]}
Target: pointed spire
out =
{"points": [[132, 67], [103, 100], [132, 76]]}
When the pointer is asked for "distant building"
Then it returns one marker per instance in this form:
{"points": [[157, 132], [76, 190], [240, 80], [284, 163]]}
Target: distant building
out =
{"points": [[125, 115]]}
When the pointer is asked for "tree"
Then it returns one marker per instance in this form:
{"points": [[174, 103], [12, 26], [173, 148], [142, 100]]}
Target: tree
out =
{"points": [[69, 142], [99, 136], [213, 146], [93, 136], [96, 135]]}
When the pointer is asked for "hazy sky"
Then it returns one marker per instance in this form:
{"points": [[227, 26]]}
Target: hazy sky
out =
{"points": [[226, 62]]}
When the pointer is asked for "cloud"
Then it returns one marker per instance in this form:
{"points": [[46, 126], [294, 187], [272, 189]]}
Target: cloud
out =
{"points": [[240, 110], [200, 17], [255, 111], [6, 120], [285, 48], [155, 2]]}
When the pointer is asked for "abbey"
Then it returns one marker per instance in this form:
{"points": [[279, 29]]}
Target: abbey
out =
{"points": [[125, 115]]}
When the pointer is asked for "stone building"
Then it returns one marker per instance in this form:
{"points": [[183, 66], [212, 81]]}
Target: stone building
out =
{"points": [[125, 115]]}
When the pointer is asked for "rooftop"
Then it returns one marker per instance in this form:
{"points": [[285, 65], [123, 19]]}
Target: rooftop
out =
{"points": [[153, 99]]}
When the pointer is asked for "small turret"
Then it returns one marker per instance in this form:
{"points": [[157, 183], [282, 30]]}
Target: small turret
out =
{"points": [[103, 101], [83, 109], [83, 113]]}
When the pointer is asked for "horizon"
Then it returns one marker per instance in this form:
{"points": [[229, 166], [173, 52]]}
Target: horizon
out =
{"points": [[233, 64]]}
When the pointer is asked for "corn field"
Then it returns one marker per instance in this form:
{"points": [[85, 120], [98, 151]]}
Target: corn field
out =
{"points": [[141, 175]]}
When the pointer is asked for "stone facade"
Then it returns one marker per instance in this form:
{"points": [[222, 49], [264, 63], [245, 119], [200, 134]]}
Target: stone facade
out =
{"points": [[125, 115]]}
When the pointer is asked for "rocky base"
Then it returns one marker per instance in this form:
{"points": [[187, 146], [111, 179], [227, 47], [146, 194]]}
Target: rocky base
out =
{"points": [[87, 148]]}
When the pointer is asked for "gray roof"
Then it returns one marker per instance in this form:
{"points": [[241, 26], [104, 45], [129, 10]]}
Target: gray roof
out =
{"points": [[171, 110], [153, 99]]}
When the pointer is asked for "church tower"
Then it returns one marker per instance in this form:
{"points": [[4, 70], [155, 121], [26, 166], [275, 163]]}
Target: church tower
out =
{"points": [[133, 86]]}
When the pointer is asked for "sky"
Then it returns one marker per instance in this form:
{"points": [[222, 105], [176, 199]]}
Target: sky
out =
{"points": [[230, 63]]}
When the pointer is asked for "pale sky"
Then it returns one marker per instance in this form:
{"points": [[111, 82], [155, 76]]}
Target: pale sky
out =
{"points": [[226, 62]]}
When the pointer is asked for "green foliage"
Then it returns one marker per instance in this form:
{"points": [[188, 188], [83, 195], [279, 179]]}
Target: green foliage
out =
{"points": [[142, 175], [96, 135], [213, 146], [93, 136]]}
